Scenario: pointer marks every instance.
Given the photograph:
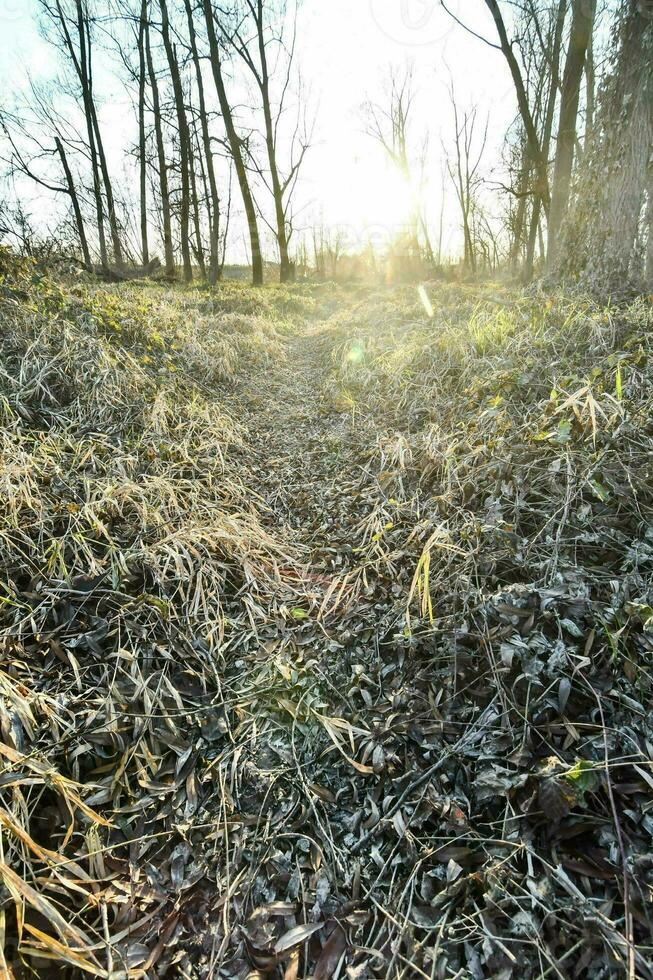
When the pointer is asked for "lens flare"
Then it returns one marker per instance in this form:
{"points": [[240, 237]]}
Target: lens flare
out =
{"points": [[355, 354], [426, 302]]}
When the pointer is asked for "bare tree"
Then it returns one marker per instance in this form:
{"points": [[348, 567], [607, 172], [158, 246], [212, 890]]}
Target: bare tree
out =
{"points": [[536, 154], [213, 197], [184, 141], [328, 248], [547, 69], [142, 148], [464, 172], [74, 200], [166, 219], [71, 22], [235, 145], [261, 40], [28, 163]]}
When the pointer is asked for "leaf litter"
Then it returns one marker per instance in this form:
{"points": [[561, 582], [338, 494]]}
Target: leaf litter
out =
{"points": [[321, 665]]}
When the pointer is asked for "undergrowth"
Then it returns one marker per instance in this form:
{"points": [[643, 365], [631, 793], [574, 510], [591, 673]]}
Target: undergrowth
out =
{"points": [[402, 730]]}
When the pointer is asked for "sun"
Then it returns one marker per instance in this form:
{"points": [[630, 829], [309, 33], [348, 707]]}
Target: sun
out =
{"points": [[366, 200]]}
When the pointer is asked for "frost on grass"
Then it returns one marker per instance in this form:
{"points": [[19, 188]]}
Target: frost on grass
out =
{"points": [[316, 660]]}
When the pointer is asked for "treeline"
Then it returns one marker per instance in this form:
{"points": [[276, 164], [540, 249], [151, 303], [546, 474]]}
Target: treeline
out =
{"points": [[175, 61], [217, 94]]}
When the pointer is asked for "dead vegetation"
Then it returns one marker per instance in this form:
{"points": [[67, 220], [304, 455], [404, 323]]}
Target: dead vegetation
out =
{"points": [[326, 632]]}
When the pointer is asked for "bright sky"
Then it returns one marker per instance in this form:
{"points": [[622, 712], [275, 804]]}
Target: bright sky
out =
{"points": [[347, 49]]}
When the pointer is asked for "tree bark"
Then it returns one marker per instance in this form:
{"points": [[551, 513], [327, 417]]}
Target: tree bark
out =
{"points": [[184, 143], [142, 150], [74, 200], [648, 272], [214, 260], [235, 146], [168, 251], [86, 79], [602, 242], [581, 30]]}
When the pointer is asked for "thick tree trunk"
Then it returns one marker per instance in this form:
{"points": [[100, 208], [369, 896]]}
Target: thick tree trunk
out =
{"points": [[74, 200], [602, 234], [214, 261], [649, 229], [581, 32], [184, 143], [168, 251], [235, 146]]}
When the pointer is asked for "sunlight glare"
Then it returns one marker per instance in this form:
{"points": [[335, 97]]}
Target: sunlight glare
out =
{"points": [[426, 302]]}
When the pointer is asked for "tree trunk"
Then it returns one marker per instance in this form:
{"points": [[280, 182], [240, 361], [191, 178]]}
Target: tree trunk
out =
{"points": [[168, 252], [529, 261], [535, 149], [581, 30], [520, 215], [72, 193], [184, 143], [649, 244], [86, 62], [235, 146], [214, 267], [82, 75], [195, 202], [649, 228], [590, 93], [285, 266], [142, 81], [603, 229]]}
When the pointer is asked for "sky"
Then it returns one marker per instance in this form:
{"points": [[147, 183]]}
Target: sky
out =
{"points": [[347, 50]]}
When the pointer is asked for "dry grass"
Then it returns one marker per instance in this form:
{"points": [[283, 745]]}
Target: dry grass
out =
{"points": [[510, 504], [125, 537], [339, 671]]}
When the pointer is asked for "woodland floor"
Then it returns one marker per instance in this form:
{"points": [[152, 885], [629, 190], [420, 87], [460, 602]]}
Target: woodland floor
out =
{"points": [[327, 634]]}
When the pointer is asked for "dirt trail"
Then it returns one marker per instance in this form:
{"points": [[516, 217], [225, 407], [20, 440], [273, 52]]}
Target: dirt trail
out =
{"points": [[313, 691], [307, 453]]}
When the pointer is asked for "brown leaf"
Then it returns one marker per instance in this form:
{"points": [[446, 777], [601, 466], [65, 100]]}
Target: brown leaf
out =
{"points": [[331, 953], [552, 800], [296, 935]]}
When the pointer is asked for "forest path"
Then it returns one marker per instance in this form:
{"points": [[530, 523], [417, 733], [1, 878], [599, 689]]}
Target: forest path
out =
{"points": [[308, 446], [312, 690]]}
